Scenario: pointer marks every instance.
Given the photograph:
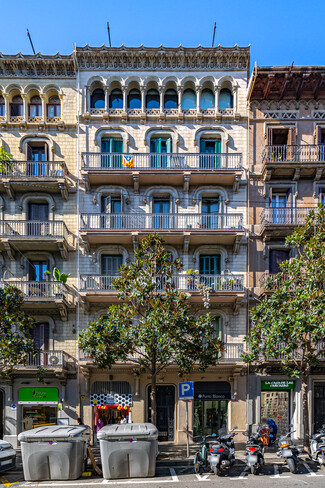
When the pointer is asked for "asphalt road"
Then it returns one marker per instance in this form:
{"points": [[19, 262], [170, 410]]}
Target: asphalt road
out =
{"points": [[273, 475]]}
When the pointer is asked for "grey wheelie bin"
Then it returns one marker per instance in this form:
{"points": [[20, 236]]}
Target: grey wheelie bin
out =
{"points": [[54, 452], [128, 450]]}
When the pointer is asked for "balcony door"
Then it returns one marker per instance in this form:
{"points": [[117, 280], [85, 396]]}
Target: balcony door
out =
{"points": [[279, 206], [161, 207], [160, 149], [210, 150], [110, 265], [36, 154], [209, 267], [277, 256], [41, 336], [36, 270], [38, 217], [210, 211], [113, 207], [111, 150]]}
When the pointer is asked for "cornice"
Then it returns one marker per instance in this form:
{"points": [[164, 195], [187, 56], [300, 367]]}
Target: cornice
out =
{"points": [[38, 66]]}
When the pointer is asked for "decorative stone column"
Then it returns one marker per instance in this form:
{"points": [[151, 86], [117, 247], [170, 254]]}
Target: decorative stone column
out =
{"points": [[87, 99], [161, 101], [44, 114], [179, 95], [143, 98], [106, 99], [124, 90], [61, 102], [198, 99], [7, 108], [235, 98], [216, 99], [25, 105]]}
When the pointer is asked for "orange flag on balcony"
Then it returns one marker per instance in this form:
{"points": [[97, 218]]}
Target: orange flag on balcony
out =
{"points": [[128, 161]]}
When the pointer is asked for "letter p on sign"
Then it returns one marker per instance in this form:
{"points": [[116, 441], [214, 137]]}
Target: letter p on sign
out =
{"points": [[185, 390]]}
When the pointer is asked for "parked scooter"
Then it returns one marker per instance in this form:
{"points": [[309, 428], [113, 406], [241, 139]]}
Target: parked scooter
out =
{"points": [[254, 452], [288, 451], [222, 453], [317, 447], [201, 462]]}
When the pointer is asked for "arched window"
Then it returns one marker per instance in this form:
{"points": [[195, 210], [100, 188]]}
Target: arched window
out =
{"points": [[2, 107], [207, 99], [54, 107], [116, 99], [170, 99], [225, 98], [17, 107], [134, 99], [189, 99], [97, 99], [152, 99], [35, 107]]}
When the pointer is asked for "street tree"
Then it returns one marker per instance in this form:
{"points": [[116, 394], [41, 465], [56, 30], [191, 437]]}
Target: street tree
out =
{"points": [[289, 325], [16, 340], [152, 326]]}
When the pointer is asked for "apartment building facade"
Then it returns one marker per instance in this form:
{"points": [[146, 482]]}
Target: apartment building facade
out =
{"points": [[286, 180]]}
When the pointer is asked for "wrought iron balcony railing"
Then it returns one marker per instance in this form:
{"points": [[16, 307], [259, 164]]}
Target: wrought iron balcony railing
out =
{"points": [[285, 216], [186, 283], [33, 169], [38, 289], [50, 359], [159, 222], [33, 228], [161, 161], [304, 153]]}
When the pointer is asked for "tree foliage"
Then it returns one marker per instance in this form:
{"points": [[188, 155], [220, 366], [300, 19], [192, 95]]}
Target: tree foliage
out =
{"points": [[152, 326], [16, 340], [289, 325]]}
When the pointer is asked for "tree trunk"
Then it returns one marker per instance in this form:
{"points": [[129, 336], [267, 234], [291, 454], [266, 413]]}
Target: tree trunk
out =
{"points": [[305, 408], [153, 398]]}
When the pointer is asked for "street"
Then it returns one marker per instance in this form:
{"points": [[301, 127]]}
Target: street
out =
{"points": [[273, 474]]}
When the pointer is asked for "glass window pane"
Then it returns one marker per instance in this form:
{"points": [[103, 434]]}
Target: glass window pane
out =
{"points": [[134, 99], [116, 99], [170, 99], [152, 99], [225, 99], [189, 99], [207, 99]]}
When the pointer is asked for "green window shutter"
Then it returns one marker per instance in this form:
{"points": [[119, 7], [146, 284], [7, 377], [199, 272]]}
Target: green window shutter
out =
{"points": [[217, 147], [105, 146], [169, 145], [117, 146], [155, 145], [202, 146], [218, 327]]}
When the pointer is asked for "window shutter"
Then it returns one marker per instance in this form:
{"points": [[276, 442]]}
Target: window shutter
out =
{"points": [[318, 134], [269, 136], [46, 337], [29, 153], [169, 145], [270, 196], [217, 146], [202, 146], [106, 204], [292, 137], [117, 146]]}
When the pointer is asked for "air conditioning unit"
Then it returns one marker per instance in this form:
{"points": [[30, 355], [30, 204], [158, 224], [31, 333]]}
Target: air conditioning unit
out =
{"points": [[53, 360]]}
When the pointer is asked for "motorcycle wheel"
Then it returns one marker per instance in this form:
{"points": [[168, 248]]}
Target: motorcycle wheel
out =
{"points": [[254, 469], [217, 471], [197, 465], [292, 465]]}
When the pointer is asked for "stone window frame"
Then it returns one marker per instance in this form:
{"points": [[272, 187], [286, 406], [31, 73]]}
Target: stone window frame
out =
{"points": [[35, 198], [154, 191], [206, 191]]}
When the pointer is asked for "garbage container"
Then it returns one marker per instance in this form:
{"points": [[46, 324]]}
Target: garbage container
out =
{"points": [[54, 452], [128, 450]]}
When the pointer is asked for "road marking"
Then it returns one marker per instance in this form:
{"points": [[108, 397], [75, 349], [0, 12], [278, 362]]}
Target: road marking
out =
{"points": [[242, 476], [277, 474], [7, 483], [311, 472], [173, 475], [202, 478]]}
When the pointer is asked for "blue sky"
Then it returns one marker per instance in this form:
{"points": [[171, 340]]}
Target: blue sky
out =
{"points": [[279, 31]]}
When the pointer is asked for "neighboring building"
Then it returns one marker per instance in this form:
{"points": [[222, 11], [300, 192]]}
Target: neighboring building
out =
{"points": [[38, 231], [286, 180], [162, 139]]}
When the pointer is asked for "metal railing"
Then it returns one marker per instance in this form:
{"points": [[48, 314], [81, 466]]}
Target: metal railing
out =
{"points": [[159, 222], [182, 282], [303, 153], [33, 228], [32, 169], [38, 289], [285, 216], [161, 161], [49, 359]]}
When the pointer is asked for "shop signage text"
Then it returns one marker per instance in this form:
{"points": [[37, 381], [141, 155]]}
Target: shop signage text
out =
{"points": [[38, 396], [278, 385]]}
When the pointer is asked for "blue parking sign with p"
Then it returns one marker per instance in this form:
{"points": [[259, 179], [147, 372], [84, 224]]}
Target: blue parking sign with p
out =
{"points": [[186, 390]]}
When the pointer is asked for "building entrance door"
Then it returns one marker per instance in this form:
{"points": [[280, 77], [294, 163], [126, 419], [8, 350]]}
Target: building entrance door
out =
{"points": [[319, 405], [165, 411]]}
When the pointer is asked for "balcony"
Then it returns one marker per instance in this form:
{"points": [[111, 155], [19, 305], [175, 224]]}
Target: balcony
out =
{"points": [[281, 221], [44, 295], [224, 288], [194, 229], [233, 352], [181, 169], [300, 161], [18, 175], [51, 360], [31, 235]]}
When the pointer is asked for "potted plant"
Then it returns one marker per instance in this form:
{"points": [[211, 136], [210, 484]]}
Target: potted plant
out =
{"points": [[5, 162], [61, 278], [192, 274]]}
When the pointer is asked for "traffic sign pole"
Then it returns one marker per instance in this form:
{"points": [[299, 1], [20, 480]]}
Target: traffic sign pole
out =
{"points": [[187, 434]]}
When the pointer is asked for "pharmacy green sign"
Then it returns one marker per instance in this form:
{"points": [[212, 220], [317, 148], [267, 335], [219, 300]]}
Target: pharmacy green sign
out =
{"points": [[278, 385], [38, 396]]}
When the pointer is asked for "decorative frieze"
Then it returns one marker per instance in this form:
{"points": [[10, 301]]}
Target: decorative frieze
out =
{"points": [[281, 114]]}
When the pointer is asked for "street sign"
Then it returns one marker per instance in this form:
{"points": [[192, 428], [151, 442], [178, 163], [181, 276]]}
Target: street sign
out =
{"points": [[186, 390], [13, 406]]}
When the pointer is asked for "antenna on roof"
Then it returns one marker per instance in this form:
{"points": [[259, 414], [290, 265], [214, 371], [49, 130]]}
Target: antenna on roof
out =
{"points": [[109, 35], [291, 66], [31, 42], [214, 33]]}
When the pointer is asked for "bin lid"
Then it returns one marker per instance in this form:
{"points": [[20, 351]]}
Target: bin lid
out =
{"points": [[127, 431], [59, 432]]}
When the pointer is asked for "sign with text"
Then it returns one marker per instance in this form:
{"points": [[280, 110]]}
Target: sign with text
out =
{"points": [[38, 396], [186, 390], [278, 385]]}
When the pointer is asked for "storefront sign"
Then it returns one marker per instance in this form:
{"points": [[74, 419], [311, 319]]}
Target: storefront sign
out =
{"points": [[278, 385], [212, 390], [38, 396], [116, 399]]}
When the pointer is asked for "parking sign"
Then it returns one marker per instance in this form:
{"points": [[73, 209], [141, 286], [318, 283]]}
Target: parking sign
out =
{"points": [[186, 390]]}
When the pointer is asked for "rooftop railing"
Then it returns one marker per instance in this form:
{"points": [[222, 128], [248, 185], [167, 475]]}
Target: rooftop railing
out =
{"points": [[33, 169], [285, 216], [33, 228], [161, 161], [303, 153], [159, 222]]}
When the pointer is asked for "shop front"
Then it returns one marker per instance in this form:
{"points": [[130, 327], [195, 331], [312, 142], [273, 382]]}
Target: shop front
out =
{"points": [[276, 402], [39, 407], [319, 405], [210, 408]]}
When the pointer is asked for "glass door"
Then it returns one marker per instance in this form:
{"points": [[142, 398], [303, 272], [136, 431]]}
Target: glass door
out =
{"points": [[210, 417], [38, 216], [279, 204], [111, 153], [160, 149], [210, 209], [210, 150], [161, 206], [110, 265], [36, 154], [319, 405], [210, 266]]}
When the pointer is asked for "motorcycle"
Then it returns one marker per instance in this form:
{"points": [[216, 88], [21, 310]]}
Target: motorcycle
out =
{"points": [[317, 447], [288, 451], [201, 462], [254, 452], [222, 453]]}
